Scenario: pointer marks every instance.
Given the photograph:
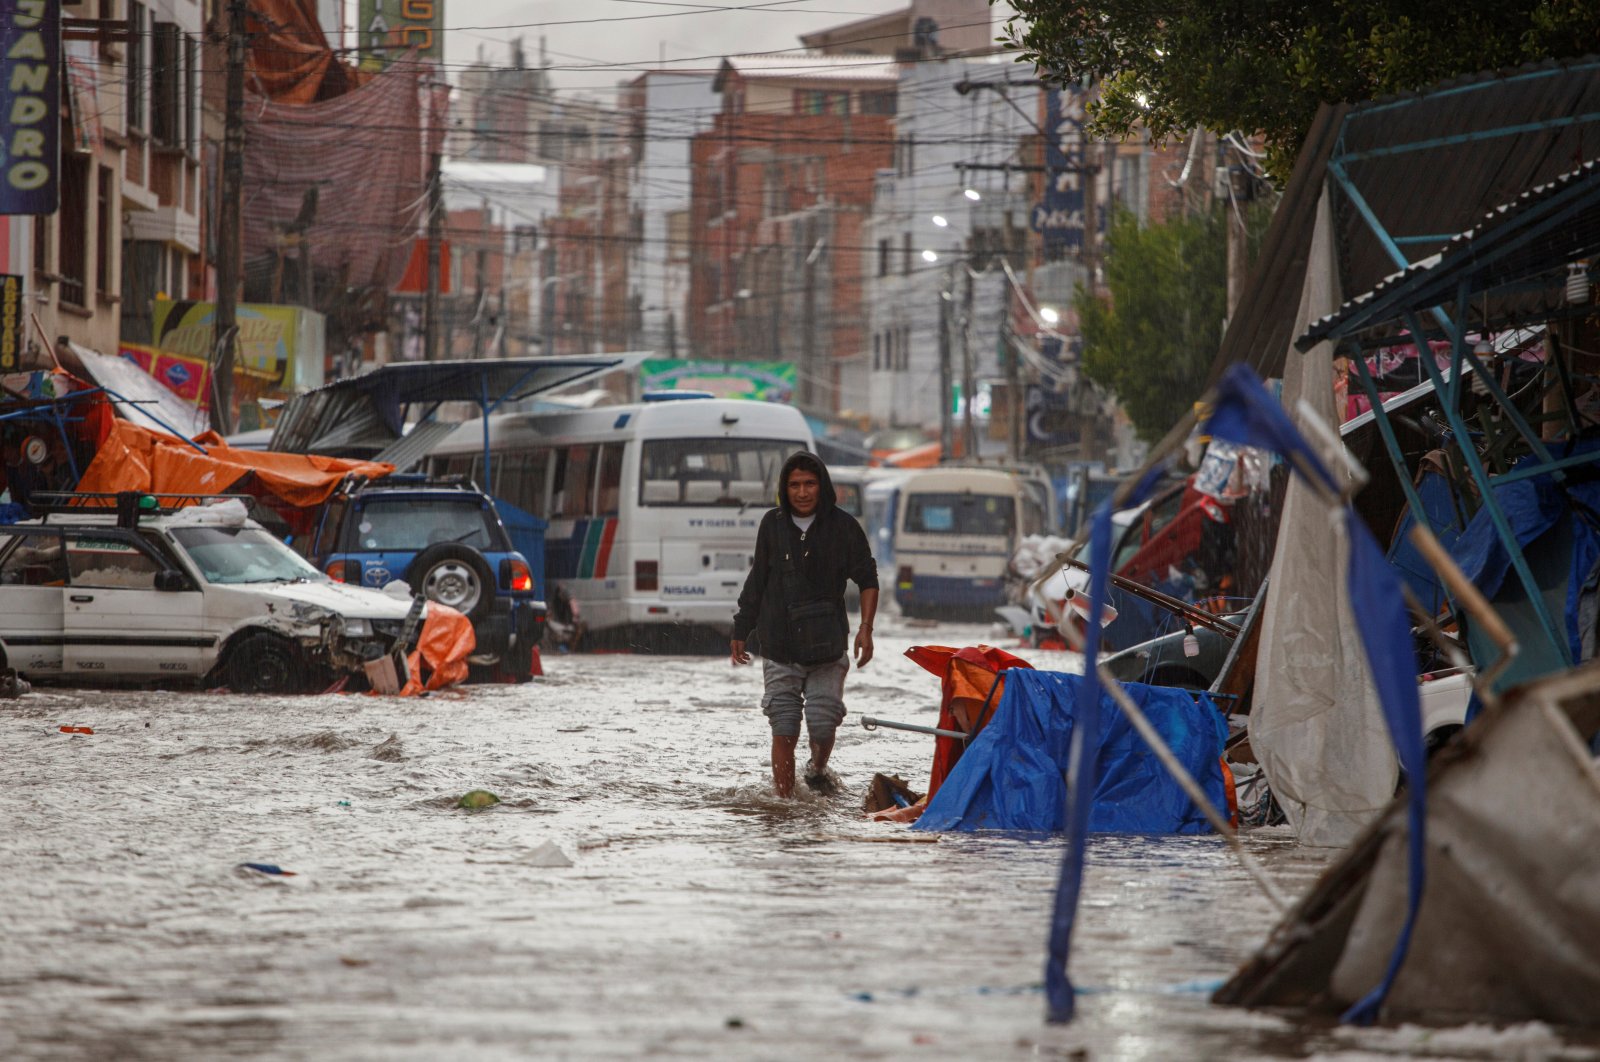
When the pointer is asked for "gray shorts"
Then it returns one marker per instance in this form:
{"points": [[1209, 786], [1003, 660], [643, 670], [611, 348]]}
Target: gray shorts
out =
{"points": [[815, 689]]}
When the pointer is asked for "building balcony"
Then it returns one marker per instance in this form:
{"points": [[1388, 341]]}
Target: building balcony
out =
{"points": [[167, 224]]}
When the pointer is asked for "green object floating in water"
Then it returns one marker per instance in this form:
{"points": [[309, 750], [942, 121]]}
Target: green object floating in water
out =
{"points": [[478, 798]]}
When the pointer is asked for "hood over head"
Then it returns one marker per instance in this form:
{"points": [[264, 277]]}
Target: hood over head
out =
{"points": [[805, 459]]}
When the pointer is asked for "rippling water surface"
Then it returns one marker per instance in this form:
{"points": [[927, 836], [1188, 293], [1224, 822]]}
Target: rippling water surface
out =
{"points": [[637, 892]]}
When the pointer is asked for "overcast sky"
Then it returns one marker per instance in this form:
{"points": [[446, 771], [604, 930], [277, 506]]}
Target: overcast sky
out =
{"points": [[642, 32]]}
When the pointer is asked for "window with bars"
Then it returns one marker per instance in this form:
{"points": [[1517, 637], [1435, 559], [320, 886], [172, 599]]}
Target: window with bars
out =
{"points": [[166, 83], [72, 261], [136, 72]]}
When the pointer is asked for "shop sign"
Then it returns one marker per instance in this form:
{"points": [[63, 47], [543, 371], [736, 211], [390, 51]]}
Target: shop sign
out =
{"points": [[30, 106], [389, 28], [1059, 216], [12, 322]]}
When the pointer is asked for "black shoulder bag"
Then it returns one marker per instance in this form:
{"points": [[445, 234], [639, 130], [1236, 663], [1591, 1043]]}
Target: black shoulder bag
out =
{"points": [[815, 634]]}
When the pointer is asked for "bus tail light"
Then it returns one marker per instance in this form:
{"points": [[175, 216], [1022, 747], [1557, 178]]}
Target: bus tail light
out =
{"points": [[646, 575], [515, 575], [344, 571], [902, 578]]}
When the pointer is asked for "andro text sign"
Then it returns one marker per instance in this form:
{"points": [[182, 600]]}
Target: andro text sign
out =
{"points": [[30, 106]]}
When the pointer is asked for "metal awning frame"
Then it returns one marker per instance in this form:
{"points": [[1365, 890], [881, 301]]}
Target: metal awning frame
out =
{"points": [[1462, 272]]}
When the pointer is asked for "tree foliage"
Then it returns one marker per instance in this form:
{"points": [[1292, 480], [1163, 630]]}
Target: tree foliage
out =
{"points": [[1264, 66], [1152, 336]]}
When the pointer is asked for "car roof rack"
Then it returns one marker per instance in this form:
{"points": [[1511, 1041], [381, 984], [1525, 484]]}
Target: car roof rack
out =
{"points": [[416, 480], [128, 505]]}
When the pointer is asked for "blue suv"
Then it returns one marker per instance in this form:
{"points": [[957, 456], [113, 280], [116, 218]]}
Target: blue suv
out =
{"points": [[445, 539]]}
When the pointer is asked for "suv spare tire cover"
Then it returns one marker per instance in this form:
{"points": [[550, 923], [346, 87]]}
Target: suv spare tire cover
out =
{"points": [[443, 573]]}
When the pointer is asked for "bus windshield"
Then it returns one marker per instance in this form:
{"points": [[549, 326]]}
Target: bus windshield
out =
{"points": [[960, 514], [718, 471], [849, 498]]}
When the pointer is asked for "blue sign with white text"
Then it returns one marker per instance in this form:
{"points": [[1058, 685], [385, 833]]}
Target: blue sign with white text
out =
{"points": [[30, 106], [1059, 217]]}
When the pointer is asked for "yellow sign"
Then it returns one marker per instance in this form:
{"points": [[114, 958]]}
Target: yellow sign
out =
{"points": [[279, 346]]}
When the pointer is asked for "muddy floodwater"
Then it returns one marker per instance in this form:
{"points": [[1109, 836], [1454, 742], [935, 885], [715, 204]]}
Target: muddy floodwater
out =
{"points": [[638, 891]]}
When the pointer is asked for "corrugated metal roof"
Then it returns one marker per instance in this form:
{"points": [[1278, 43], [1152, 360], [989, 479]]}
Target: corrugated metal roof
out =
{"points": [[416, 444], [1428, 165], [1516, 259]]}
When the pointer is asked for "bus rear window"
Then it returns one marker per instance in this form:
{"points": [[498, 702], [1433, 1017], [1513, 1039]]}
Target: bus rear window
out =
{"points": [[849, 498], [712, 471], [960, 514]]}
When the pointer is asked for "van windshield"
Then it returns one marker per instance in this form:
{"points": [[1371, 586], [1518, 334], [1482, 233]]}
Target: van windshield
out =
{"points": [[712, 471], [961, 514]]}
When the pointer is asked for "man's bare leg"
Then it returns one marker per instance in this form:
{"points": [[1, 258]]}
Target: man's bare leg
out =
{"points": [[820, 751], [783, 765]]}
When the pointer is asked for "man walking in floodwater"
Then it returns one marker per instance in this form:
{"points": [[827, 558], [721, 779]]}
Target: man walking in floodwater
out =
{"points": [[793, 600]]}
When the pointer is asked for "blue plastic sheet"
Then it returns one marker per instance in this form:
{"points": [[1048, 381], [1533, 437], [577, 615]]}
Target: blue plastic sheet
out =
{"points": [[1011, 776]]}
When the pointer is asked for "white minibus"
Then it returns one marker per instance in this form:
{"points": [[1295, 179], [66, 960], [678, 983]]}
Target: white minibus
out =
{"points": [[955, 531], [652, 508]]}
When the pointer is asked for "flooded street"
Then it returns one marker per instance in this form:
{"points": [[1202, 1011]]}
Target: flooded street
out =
{"points": [[699, 916]]}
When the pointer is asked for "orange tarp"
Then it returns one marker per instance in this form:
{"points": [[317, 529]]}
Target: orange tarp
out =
{"points": [[290, 60], [447, 640], [135, 458], [972, 680]]}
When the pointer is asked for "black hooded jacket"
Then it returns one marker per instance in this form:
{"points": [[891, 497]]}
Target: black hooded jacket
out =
{"points": [[837, 549]]}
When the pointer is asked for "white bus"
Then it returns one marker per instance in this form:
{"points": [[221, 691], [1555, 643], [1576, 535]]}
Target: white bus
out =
{"points": [[955, 530], [653, 508]]}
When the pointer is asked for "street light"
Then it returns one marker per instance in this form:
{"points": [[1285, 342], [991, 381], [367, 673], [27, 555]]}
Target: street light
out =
{"points": [[1049, 315], [929, 256], [941, 221], [972, 194]]}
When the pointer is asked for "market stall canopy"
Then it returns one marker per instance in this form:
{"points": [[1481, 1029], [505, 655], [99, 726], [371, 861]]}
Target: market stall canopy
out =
{"points": [[1473, 143], [1516, 262], [365, 416]]}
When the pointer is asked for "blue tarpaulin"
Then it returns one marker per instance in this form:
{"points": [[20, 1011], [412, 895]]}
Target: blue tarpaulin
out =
{"points": [[1010, 778]]}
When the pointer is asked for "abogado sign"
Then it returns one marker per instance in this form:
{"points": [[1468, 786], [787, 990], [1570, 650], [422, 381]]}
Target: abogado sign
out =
{"points": [[389, 28], [30, 106]]}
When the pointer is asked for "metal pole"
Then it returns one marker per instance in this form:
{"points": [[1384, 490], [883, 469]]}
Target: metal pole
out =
{"points": [[225, 328], [969, 431], [430, 335], [946, 398], [871, 723]]}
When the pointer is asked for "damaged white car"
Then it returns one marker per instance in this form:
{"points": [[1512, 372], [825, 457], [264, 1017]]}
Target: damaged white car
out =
{"points": [[190, 595]]}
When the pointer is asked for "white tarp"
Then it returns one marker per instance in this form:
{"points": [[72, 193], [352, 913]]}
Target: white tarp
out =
{"points": [[1316, 726]]}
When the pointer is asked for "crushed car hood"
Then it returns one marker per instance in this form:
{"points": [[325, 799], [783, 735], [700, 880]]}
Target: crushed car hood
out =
{"points": [[349, 601]]}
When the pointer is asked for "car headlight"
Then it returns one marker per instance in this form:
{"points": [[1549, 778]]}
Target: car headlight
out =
{"points": [[357, 628]]}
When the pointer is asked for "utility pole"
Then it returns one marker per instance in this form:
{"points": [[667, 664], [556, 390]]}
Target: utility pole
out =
{"points": [[481, 266], [1014, 406], [946, 398], [808, 323], [430, 325], [225, 327], [969, 432]]}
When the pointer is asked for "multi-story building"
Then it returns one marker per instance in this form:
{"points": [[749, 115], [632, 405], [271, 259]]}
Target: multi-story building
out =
{"points": [[128, 221], [781, 188], [664, 111], [947, 218]]}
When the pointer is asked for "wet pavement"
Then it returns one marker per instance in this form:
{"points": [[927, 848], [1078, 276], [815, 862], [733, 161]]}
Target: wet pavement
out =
{"points": [[638, 891]]}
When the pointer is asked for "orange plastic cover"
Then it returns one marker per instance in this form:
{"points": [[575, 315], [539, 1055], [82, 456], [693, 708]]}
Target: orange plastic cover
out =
{"points": [[972, 681], [135, 458], [447, 640]]}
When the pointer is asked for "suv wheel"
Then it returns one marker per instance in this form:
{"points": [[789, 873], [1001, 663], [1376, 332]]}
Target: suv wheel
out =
{"points": [[456, 576], [264, 663]]}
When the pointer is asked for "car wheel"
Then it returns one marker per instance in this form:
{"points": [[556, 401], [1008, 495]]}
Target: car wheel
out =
{"points": [[265, 663], [454, 575]]}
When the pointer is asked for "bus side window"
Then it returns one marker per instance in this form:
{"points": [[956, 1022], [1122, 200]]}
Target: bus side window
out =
{"points": [[609, 493], [558, 481], [575, 493], [508, 476], [536, 482]]}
